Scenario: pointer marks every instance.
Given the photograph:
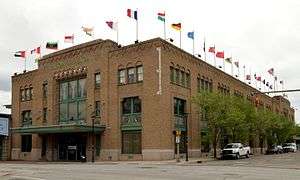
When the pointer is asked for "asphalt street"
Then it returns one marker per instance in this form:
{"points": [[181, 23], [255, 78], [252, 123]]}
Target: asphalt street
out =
{"points": [[273, 167]]}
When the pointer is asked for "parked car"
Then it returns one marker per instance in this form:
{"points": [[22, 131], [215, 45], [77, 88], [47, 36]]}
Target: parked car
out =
{"points": [[289, 147], [235, 150], [275, 149]]}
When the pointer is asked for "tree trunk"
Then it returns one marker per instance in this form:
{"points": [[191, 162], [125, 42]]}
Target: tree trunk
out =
{"points": [[215, 142]]}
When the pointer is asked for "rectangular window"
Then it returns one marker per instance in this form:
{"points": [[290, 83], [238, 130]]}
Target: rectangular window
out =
{"points": [[45, 115], [177, 76], [45, 90], [72, 89], [22, 96], [26, 118], [140, 74], [122, 76], [81, 88], [188, 80], [81, 110], [30, 93], [26, 143], [72, 100], [97, 79], [63, 111], [172, 74], [63, 91], [131, 75], [97, 109], [182, 75], [179, 106], [131, 142], [27, 94], [131, 105]]}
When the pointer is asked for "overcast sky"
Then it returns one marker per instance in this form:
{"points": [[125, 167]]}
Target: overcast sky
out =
{"points": [[261, 34]]}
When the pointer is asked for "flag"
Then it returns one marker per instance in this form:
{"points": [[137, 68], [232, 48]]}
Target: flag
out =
{"points": [[264, 81], [190, 35], [271, 71], [69, 39], [255, 76], [176, 26], [229, 60], [267, 84], [236, 63], [88, 31], [112, 25], [21, 54], [212, 49], [204, 46], [248, 77], [52, 45], [258, 78], [132, 14], [36, 50], [220, 54], [281, 82], [275, 78], [271, 87], [161, 16]]}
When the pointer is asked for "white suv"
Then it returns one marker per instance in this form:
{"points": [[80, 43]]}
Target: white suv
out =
{"points": [[289, 147]]}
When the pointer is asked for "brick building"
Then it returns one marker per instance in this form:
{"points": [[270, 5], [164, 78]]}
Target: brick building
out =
{"points": [[124, 101]]}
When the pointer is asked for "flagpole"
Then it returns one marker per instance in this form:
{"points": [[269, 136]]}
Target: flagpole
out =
{"points": [[193, 43], [180, 39], [118, 33], [165, 26], [137, 34], [238, 70], [224, 62], [204, 51], [215, 56], [25, 63], [231, 68]]}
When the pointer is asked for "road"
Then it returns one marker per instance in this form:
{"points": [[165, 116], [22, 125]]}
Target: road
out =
{"points": [[274, 167]]}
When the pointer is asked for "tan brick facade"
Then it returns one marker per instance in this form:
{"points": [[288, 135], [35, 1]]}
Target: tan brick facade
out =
{"points": [[155, 91]]}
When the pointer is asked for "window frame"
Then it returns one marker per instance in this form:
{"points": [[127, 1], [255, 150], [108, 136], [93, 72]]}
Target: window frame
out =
{"points": [[130, 138], [131, 80], [77, 100], [140, 75], [97, 83]]}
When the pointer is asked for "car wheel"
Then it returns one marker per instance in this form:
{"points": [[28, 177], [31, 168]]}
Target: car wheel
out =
{"points": [[247, 155]]}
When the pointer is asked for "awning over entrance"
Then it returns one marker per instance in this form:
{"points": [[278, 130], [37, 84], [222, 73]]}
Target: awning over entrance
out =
{"points": [[63, 128]]}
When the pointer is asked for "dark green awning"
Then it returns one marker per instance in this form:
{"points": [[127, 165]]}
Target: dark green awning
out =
{"points": [[64, 128]]}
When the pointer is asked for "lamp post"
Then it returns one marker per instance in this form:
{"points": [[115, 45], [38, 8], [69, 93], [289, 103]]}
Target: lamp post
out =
{"points": [[93, 139], [186, 137]]}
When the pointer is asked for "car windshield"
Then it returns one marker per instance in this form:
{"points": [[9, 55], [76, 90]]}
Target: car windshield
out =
{"points": [[287, 144], [231, 146]]}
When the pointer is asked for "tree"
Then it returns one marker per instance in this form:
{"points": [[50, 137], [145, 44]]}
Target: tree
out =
{"points": [[213, 106]]}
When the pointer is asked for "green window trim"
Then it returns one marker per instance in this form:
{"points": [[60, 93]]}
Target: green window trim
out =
{"points": [[75, 100]]}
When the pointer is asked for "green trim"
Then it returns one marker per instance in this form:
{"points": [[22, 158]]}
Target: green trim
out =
{"points": [[67, 128]]}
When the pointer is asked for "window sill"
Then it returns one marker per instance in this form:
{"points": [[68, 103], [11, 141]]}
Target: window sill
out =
{"points": [[180, 85], [138, 82]]}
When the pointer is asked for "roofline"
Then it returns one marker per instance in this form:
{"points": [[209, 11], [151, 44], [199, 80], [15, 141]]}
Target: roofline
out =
{"points": [[193, 57], [76, 47]]}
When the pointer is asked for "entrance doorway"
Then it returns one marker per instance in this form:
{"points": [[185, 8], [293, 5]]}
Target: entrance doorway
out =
{"points": [[71, 147]]}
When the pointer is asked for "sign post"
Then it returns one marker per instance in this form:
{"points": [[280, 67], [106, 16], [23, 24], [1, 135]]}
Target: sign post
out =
{"points": [[177, 139]]}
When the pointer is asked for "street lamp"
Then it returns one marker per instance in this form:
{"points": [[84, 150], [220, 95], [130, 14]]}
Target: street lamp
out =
{"points": [[186, 137], [93, 138]]}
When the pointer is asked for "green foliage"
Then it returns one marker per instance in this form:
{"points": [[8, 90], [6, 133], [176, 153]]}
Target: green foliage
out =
{"points": [[241, 121]]}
